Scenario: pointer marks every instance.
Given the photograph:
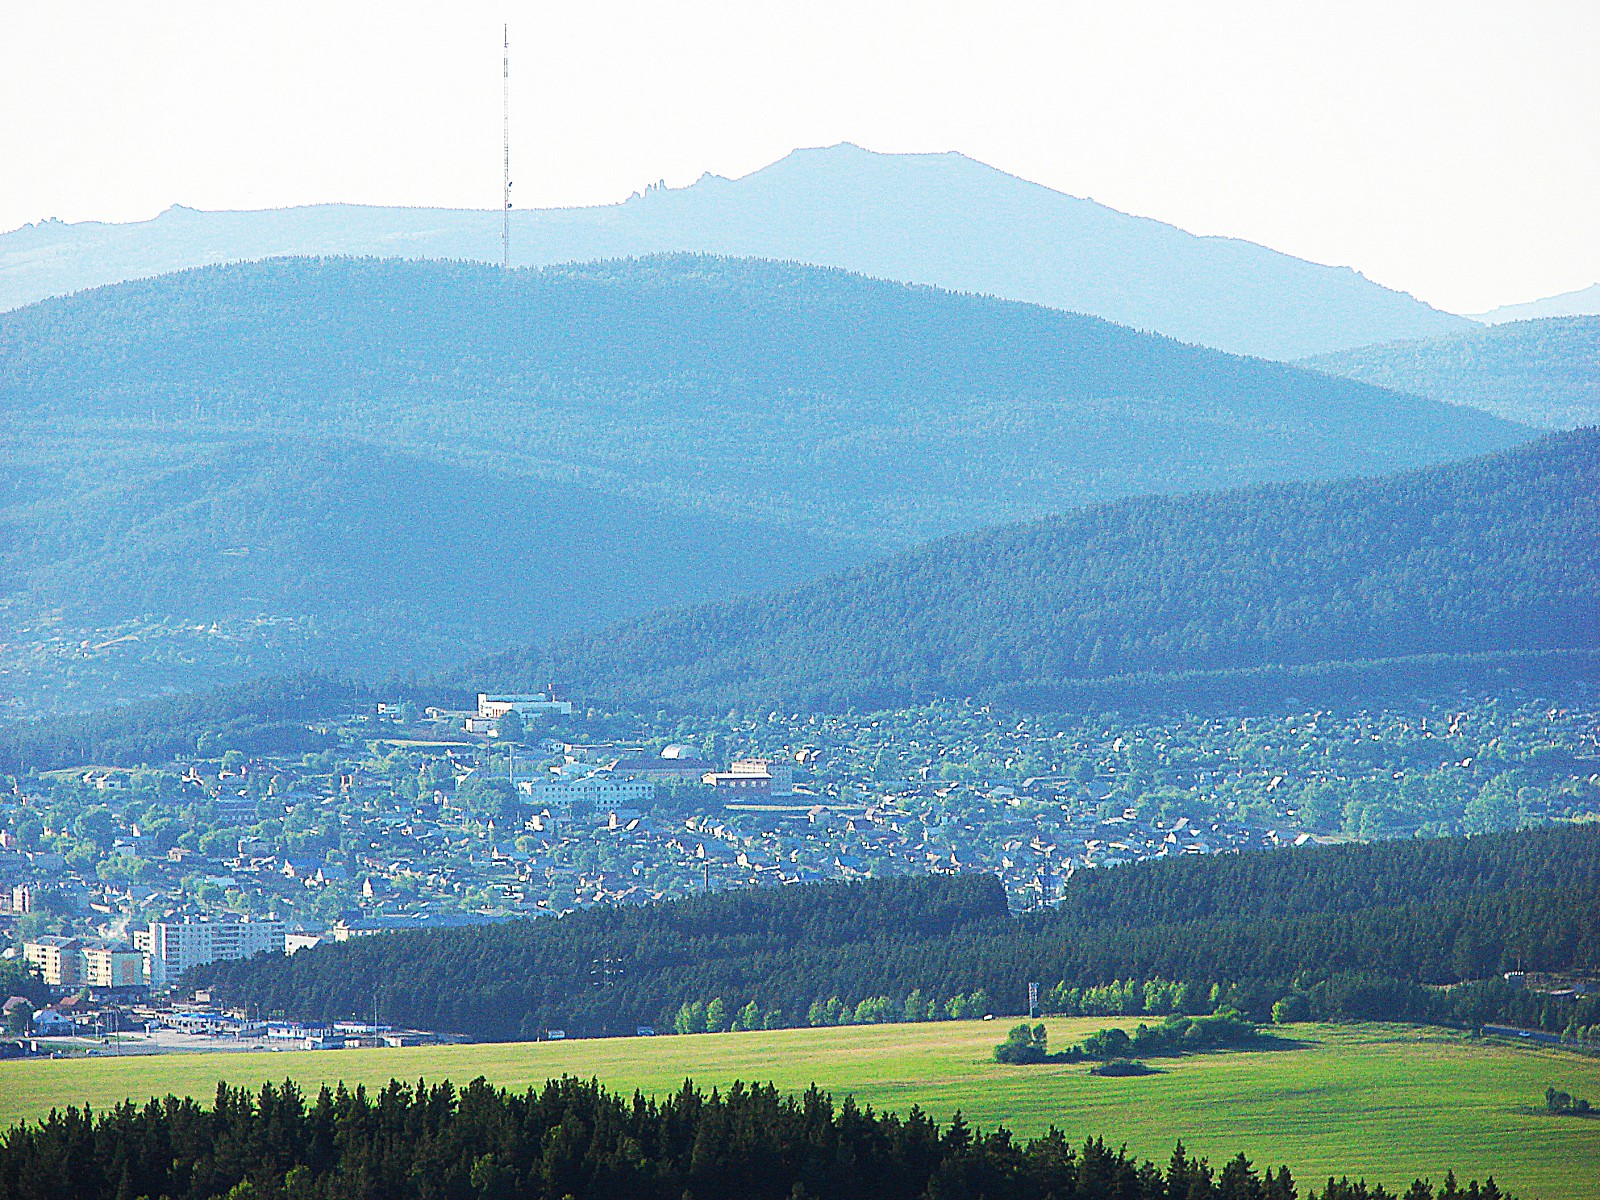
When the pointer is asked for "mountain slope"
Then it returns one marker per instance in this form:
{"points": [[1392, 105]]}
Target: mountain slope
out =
{"points": [[939, 219], [238, 559], [1583, 302], [843, 406], [1486, 557], [1544, 372]]}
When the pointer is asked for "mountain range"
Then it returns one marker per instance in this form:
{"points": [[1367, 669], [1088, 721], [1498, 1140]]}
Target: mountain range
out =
{"points": [[401, 464], [941, 219], [1544, 372], [1585, 302], [1493, 557]]}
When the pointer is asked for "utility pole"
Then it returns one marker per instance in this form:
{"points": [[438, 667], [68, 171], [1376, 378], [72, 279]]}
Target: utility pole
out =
{"points": [[505, 140]]}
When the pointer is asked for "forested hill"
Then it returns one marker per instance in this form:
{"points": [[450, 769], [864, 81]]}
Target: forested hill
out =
{"points": [[1490, 557], [826, 401], [1544, 372], [939, 219], [305, 550], [1371, 924]]}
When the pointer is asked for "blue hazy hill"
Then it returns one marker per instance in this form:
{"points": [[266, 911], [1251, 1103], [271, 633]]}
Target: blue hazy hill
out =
{"points": [[941, 219]]}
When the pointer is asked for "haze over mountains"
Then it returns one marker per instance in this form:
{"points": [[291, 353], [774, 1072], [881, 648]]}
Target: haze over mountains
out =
{"points": [[940, 219], [1583, 302], [1494, 556], [241, 467], [266, 555], [1544, 372]]}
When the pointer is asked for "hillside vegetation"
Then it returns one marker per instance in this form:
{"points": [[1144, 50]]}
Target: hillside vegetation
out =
{"points": [[261, 466], [1491, 557], [305, 550], [836, 403], [1544, 372], [1353, 931], [940, 219]]}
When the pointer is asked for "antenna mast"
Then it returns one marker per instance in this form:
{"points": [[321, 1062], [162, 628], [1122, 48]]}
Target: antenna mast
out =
{"points": [[505, 138]]}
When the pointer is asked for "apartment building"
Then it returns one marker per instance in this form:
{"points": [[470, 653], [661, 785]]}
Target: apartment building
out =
{"points": [[56, 958], [171, 947], [107, 965]]}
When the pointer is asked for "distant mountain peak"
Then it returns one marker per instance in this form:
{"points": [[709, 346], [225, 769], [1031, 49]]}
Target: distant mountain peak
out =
{"points": [[939, 218]]}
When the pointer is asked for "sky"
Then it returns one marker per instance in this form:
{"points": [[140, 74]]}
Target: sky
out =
{"points": [[1448, 149]]}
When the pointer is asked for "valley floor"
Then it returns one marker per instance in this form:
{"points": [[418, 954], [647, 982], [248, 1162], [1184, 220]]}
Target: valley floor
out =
{"points": [[1389, 1102]]}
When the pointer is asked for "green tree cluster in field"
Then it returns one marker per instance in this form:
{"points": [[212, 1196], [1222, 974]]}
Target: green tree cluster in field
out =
{"points": [[1564, 1104], [571, 1140], [1175, 1035]]}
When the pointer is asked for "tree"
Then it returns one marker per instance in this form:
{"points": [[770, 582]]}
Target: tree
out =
{"points": [[691, 1017], [19, 1017], [716, 1016], [510, 727], [1293, 1007], [1024, 1044]]}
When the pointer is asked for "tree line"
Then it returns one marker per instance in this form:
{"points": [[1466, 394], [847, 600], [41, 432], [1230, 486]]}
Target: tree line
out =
{"points": [[572, 1139], [1358, 931]]}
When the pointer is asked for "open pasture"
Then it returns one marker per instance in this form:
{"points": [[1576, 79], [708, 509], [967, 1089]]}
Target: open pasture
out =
{"points": [[1389, 1102]]}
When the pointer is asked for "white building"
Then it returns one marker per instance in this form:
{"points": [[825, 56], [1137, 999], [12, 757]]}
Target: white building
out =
{"points": [[171, 948], [57, 958], [525, 704], [754, 777], [602, 791]]}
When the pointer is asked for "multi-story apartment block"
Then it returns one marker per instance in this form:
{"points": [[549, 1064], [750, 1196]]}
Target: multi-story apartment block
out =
{"points": [[104, 965], [172, 947], [57, 958]]}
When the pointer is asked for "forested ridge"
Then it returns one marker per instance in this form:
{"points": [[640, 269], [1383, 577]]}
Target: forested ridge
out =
{"points": [[830, 401], [1545, 372], [1375, 926], [367, 463], [320, 550], [572, 1140], [1492, 556]]}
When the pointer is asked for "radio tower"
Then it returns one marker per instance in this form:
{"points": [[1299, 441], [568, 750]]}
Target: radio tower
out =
{"points": [[505, 138]]}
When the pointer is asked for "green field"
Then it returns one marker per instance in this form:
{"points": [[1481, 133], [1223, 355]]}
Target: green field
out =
{"points": [[1388, 1102]]}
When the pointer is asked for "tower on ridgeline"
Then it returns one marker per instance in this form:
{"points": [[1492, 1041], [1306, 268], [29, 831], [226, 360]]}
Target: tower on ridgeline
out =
{"points": [[505, 146]]}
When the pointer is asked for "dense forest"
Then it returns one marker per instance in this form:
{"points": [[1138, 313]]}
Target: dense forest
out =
{"points": [[1544, 372], [380, 463], [833, 402], [572, 1140], [1356, 931], [1493, 556], [297, 550]]}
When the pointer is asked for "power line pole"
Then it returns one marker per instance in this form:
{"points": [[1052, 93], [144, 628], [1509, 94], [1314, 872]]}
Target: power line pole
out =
{"points": [[505, 139]]}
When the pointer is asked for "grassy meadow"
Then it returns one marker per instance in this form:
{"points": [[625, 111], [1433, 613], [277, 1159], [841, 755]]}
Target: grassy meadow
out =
{"points": [[1389, 1102]]}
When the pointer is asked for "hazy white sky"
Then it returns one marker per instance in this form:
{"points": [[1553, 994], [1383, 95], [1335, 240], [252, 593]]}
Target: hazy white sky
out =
{"points": [[1451, 149]]}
